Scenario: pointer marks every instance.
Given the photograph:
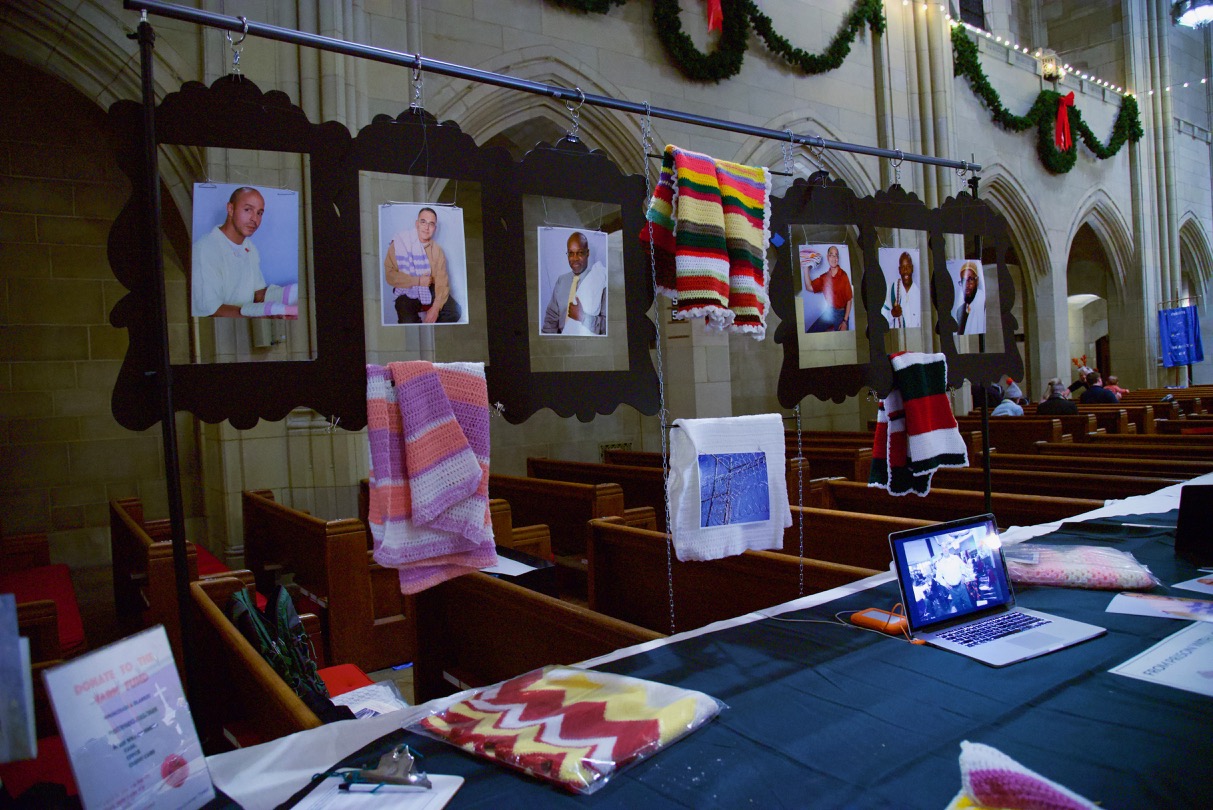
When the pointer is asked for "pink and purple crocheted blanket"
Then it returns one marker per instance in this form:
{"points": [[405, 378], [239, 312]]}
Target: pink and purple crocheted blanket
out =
{"points": [[428, 428]]}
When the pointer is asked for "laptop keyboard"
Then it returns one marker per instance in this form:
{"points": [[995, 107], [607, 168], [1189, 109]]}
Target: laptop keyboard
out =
{"points": [[995, 627]]}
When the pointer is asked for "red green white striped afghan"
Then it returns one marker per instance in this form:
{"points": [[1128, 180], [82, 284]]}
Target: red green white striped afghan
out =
{"points": [[916, 432]]}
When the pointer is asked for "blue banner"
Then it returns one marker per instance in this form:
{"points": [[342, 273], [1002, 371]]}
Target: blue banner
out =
{"points": [[1179, 337]]}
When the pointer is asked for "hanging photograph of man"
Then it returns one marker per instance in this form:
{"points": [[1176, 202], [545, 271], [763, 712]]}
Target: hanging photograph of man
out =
{"points": [[245, 258], [969, 308], [902, 303], [573, 282], [827, 293], [424, 263]]}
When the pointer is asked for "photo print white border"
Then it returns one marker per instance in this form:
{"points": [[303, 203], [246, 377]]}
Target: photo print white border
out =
{"points": [[554, 265], [401, 218], [273, 245], [902, 308], [975, 324], [813, 260]]}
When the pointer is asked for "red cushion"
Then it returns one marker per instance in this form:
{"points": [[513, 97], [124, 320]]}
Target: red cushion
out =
{"points": [[52, 582], [50, 766], [1195, 431], [344, 678], [209, 564]]}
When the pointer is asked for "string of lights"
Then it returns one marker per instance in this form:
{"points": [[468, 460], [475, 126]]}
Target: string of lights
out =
{"points": [[1064, 68]]}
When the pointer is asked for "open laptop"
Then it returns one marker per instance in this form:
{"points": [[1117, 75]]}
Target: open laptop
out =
{"points": [[957, 595], [1193, 541]]}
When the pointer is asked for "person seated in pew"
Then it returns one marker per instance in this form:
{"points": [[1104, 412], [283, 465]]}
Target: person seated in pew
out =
{"points": [[1113, 386], [1096, 394], [1057, 400], [1080, 381], [1009, 406]]}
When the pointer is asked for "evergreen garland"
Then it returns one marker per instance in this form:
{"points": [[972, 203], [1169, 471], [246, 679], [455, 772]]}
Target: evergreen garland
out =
{"points": [[739, 17], [1043, 113]]}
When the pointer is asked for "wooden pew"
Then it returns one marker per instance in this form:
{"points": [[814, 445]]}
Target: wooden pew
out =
{"points": [[1196, 425], [1178, 452], [849, 538], [948, 504], [641, 485], [145, 580], [235, 684], [829, 461], [1018, 434], [1060, 484], [1163, 409], [1141, 417], [1161, 440], [1150, 466], [1112, 419], [534, 540], [366, 619], [477, 630], [628, 579]]}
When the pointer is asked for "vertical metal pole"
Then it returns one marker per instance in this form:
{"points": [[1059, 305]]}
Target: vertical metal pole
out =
{"points": [[974, 184], [153, 268]]}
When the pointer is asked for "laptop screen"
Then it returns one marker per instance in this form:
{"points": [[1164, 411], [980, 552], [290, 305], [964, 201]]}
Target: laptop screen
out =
{"points": [[950, 570]]}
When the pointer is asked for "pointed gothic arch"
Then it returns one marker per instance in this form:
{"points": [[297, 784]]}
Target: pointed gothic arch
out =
{"points": [[1100, 213], [89, 50], [483, 110], [1195, 255], [1007, 196]]}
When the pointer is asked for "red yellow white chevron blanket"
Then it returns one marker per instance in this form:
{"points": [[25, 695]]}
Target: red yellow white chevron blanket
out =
{"points": [[711, 225], [574, 727]]}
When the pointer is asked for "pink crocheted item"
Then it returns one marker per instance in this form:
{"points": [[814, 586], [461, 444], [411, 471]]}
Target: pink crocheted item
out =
{"points": [[428, 428], [1069, 566], [992, 779]]}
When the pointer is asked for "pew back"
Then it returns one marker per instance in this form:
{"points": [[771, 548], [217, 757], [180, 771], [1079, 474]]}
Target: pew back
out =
{"points": [[629, 579], [477, 630], [949, 504], [236, 685], [849, 538], [366, 618]]}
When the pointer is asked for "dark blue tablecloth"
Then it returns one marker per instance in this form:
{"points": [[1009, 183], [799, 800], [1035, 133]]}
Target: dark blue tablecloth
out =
{"points": [[822, 715]]}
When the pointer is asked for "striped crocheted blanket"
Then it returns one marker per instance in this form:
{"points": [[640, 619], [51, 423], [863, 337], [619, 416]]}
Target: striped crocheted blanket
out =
{"points": [[428, 428], [711, 225], [916, 432]]}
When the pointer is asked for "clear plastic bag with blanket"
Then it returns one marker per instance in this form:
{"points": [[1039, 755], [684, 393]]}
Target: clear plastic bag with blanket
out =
{"points": [[574, 727], [1070, 566]]}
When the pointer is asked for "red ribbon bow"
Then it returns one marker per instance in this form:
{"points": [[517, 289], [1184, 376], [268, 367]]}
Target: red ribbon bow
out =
{"points": [[715, 16], [1061, 133]]}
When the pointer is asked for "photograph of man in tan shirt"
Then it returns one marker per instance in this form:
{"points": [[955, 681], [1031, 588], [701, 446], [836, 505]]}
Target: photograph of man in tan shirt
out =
{"points": [[415, 268]]}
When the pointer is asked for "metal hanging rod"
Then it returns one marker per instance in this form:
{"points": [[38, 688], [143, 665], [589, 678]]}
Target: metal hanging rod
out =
{"points": [[419, 62]]}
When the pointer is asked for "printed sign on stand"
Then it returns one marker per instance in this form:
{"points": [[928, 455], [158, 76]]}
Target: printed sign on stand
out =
{"points": [[127, 728]]}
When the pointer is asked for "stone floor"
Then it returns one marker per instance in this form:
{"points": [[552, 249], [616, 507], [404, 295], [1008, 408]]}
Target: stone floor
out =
{"points": [[94, 591]]}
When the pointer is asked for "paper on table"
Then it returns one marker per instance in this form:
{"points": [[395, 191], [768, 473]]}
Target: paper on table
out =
{"points": [[1182, 660], [1164, 607], [329, 796], [508, 567], [1200, 584]]}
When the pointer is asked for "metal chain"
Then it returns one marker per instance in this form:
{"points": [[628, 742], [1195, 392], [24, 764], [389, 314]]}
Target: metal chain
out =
{"points": [[416, 104], [788, 164], [646, 149], [800, 495], [575, 112], [237, 46]]}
